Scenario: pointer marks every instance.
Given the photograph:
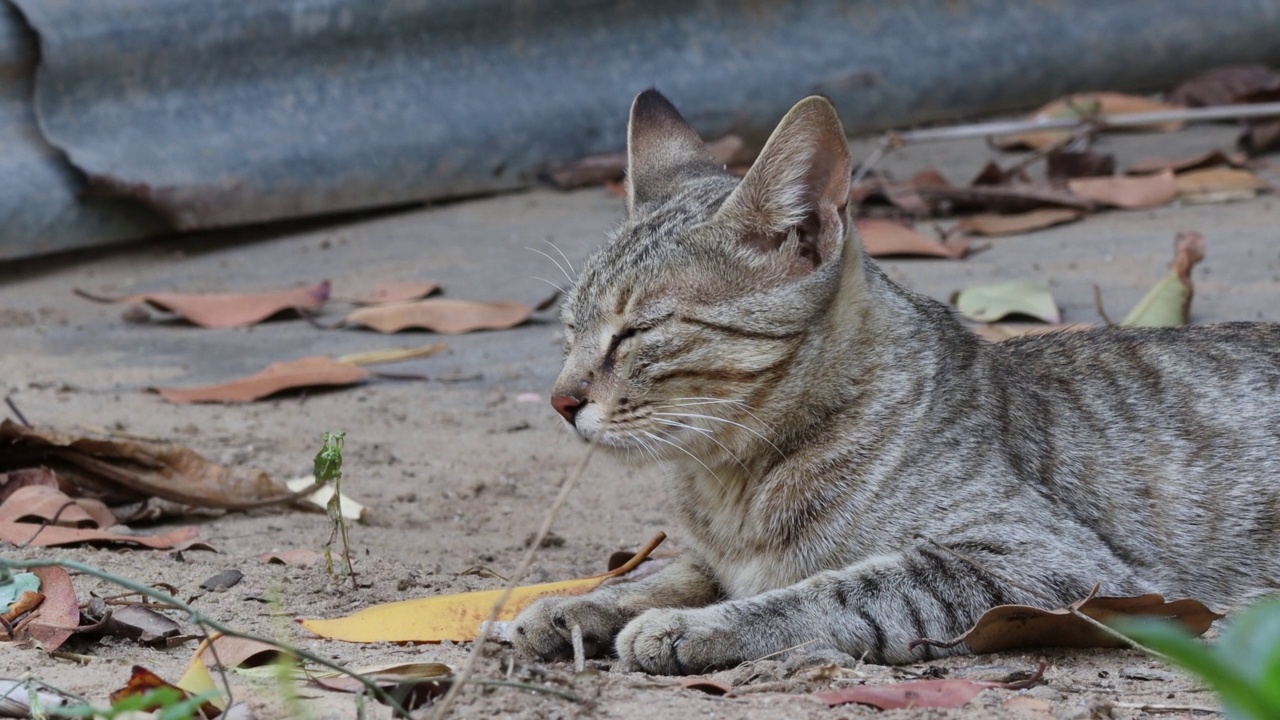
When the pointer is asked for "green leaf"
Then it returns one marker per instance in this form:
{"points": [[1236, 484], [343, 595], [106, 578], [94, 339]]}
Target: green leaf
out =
{"points": [[16, 585], [1164, 305], [989, 303], [328, 462]]}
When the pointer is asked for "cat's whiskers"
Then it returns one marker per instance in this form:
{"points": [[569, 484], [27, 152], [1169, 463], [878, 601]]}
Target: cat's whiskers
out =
{"points": [[749, 429], [567, 276], [709, 436], [696, 459], [738, 404], [563, 257], [557, 287]]}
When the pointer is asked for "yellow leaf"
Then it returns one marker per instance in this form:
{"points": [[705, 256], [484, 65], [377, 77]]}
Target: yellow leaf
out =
{"points": [[197, 681], [454, 617]]}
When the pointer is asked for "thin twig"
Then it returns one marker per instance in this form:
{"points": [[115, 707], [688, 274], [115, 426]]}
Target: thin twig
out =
{"points": [[1026, 161], [1010, 127], [1153, 707], [199, 618], [579, 654], [1097, 304], [16, 412], [887, 143]]}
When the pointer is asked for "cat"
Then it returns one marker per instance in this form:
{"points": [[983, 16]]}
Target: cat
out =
{"points": [[851, 467]]}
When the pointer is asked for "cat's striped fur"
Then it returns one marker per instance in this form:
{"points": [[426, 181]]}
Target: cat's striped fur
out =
{"points": [[852, 468]]}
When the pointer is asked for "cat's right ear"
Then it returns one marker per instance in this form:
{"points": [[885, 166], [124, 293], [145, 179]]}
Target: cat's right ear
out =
{"points": [[662, 151]]}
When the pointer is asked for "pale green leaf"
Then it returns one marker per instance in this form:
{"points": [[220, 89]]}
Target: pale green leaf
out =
{"points": [[989, 303]]}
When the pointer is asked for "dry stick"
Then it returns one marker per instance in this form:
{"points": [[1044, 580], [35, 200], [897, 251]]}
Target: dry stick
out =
{"points": [[1009, 127], [1097, 303], [1155, 708], [201, 619], [1069, 608], [16, 412], [579, 654]]}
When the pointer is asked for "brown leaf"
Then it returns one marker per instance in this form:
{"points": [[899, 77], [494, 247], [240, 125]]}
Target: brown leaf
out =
{"points": [[394, 291], [277, 377], [1204, 159], [300, 556], [1130, 192], [922, 693], [234, 652], [1067, 164], [442, 316], [59, 614], [33, 535], [1085, 105], [143, 681], [709, 687], [993, 174], [1018, 223], [1016, 197], [1259, 136], [1007, 627], [42, 504], [1219, 184], [25, 603], [1226, 85], [136, 622], [881, 238], [135, 470], [414, 684], [11, 481], [903, 195], [227, 310]]}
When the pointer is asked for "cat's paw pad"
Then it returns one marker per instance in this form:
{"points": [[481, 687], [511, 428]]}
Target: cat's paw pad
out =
{"points": [[675, 642], [545, 629]]}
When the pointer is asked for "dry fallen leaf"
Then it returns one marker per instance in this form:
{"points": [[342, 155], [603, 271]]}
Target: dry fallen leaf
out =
{"points": [[1204, 159], [33, 535], [412, 684], [276, 377], [234, 652], [882, 238], [320, 495], [11, 481], [922, 693], [988, 303], [1085, 105], [227, 310], [1226, 85], [1067, 164], [442, 316], [1007, 627], [139, 623], [59, 615], [1168, 302], [453, 617], [42, 504], [397, 291], [125, 471], [1130, 192], [1018, 223], [1219, 185], [297, 556], [143, 681]]}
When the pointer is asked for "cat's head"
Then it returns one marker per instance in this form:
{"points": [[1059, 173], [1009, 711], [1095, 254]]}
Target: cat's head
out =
{"points": [[689, 317]]}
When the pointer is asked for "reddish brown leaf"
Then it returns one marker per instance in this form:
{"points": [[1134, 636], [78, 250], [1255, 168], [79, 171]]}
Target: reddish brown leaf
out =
{"points": [[135, 470], [706, 686], [397, 292], [59, 614], [39, 503], [234, 652], [442, 316], [1227, 86], [287, 375], [881, 238], [922, 693], [33, 535], [904, 195], [1218, 184], [1067, 164], [227, 310], [1085, 105], [1260, 136], [1204, 159], [1018, 223], [143, 681], [1007, 627], [11, 481], [1016, 197], [300, 556], [1130, 192]]}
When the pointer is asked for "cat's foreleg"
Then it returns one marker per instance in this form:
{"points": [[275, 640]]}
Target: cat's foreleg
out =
{"points": [[871, 610], [544, 630]]}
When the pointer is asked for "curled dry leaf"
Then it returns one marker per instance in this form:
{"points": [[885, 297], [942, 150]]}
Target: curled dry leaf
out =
{"points": [[442, 316], [1203, 160], [123, 471], [882, 238], [15, 586], [235, 652], [1085, 105], [413, 684], [1007, 627], [277, 377], [42, 504], [397, 291], [923, 693], [33, 535], [227, 310], [1130, 192], [59, 614], [988, 303], [143, 681], [995, 224], [11, 481], [454, 617], [1168, 302], [1219, 185]]}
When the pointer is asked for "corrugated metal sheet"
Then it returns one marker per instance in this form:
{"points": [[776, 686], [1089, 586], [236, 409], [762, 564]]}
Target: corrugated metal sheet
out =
{"points": [[220, 113]]}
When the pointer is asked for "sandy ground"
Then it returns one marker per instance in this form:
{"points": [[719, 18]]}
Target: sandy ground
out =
{"points": [[458, 471]]}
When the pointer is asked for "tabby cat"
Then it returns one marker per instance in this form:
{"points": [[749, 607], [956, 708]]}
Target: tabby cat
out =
{"points": [[850, 466]]}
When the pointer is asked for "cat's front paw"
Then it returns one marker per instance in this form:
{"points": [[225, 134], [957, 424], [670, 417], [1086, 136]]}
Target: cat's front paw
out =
{"points": [[677, 642], [545, 629]]}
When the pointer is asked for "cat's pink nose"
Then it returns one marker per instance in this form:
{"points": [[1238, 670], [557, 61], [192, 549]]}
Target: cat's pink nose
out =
{"points": [[567, 406]]}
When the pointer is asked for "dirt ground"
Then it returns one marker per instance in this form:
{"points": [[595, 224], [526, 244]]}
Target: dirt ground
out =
{"points": [[459, 471]]}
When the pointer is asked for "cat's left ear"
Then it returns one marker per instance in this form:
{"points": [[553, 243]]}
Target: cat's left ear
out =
{"points": [[798, 187]]}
